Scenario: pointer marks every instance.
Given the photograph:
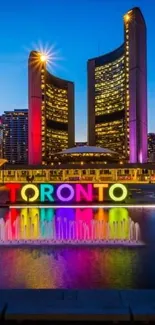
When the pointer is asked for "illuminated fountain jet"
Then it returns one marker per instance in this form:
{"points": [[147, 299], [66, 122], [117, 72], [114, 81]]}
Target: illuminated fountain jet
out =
{"points": [[31, 228]]}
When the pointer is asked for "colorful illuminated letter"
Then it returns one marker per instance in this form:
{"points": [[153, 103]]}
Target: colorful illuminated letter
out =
{"points": [[100, 191], [30, 187], [81, 193], [46, 191], [59, 193], [120, 198], [13, 188]]}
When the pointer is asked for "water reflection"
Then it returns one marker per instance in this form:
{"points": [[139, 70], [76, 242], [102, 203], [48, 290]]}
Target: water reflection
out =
{"points": [[68, 224], [80, 266]]}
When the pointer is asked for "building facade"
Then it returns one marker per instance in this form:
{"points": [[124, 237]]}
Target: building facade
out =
{"points": [[15, 136], [1, 138], [51, 112], [117, 94], [151, 147]]}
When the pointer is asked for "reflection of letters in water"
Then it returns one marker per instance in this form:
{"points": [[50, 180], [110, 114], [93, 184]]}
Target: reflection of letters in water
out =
{"points": [[58, 225], [65, 193]]}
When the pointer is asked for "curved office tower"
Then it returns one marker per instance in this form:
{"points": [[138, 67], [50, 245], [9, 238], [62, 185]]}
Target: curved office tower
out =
{"points": [[51, 112], [117, 94]]}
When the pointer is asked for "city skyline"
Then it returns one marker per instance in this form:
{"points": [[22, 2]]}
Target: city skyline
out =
{"points": [[14, 58]]}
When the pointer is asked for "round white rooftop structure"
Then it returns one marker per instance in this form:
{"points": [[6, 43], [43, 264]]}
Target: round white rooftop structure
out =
{"points": [[86, 154], [86, 149]]}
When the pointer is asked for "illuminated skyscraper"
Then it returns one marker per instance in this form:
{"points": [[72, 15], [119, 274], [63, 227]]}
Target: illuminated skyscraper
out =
{"points": [[51, 112], [117, 94], [15, 136]]}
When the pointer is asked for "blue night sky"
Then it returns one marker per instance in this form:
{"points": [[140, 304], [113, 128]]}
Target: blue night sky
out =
{"points": [[81, 29]]}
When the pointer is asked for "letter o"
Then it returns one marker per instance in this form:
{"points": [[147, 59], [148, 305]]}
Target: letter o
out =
{"points": [[64, 199], [116, 198], [34, 188]]}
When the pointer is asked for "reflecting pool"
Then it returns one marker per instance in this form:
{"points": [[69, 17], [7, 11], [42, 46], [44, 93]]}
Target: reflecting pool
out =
{"points": [[77, 266]]}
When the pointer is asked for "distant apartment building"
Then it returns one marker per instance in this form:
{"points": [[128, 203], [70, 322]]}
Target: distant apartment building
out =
{"points": [[151, 147], [15, 136]]}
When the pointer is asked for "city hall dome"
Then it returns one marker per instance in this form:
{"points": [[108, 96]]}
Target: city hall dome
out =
{"points": [[86, 149], [86, 154]]}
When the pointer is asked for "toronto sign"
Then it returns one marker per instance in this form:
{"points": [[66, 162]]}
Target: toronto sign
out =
{"points": [[66, 193]]}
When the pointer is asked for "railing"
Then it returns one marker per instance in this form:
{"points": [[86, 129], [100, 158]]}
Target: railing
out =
{"points": [[76, 179]]}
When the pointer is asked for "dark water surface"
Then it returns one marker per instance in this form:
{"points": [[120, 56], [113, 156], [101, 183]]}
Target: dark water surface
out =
{"points": [[77, 267]]}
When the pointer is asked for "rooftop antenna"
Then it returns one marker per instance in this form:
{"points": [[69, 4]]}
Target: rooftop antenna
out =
{"points": [[99, 48]]}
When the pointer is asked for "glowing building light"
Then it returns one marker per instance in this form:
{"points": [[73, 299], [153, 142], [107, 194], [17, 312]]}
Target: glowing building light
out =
{"points": [[127, 17], [43, 57]]}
